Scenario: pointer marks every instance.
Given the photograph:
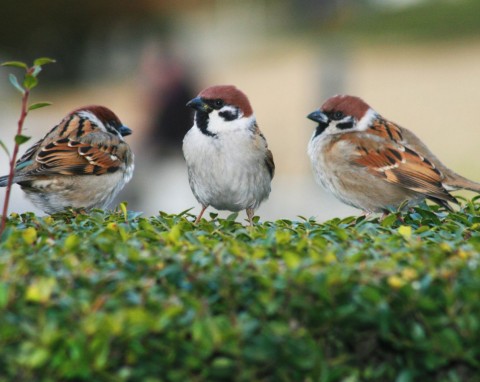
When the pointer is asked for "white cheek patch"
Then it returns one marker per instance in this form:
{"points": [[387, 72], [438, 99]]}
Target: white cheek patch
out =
{"points": [[231, 110], [331, 129], [366, 120], [217, 124]]}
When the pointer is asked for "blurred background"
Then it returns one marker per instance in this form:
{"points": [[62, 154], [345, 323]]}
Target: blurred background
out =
{"points": [[417, 62]]}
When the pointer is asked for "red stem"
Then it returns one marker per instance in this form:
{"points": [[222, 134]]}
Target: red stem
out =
{"points": [[13, 161]]}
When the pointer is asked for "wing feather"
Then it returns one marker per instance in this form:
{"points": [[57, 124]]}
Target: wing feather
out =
{"points": [[77, 146], [270, 163], [400, 165]]}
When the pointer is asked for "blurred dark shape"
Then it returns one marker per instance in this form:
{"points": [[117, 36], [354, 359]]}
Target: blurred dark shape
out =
{"points": [[63, 29], [169, 87], [317, 13]]}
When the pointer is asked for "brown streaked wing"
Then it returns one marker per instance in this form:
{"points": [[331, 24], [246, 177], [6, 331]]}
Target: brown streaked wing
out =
{"points": [[386, 130], [261, 142], [73, 157], [402, 166], [75, 127], [270, 163], [71, 126], [29, 154]]}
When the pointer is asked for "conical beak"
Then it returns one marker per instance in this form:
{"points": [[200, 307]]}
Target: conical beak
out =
{"points": [[318, 116], [124, 131], [198, 104]]}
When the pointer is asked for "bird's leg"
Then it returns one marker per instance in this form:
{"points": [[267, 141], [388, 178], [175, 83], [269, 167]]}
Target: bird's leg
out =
{"points": [[197, 220], [78, 211], [250, 213], [386, 213]]}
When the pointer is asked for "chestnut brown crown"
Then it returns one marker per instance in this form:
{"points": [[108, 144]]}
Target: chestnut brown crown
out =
{"points": [[347, 104], [231, 95], [103, 113], [107, 117]]}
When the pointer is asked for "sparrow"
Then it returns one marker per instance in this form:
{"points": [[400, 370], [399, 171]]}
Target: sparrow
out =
{"points": [[229, 164], [83, 162], [373, 164]]}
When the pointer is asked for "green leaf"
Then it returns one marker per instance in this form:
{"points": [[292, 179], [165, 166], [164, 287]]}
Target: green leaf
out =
{"points": [[123, 208], [389, 220], [71, 242], [13, 80], [36, 70], [29, 235], [43, 61], [404, 376], [174, 234], [405, 231], [40, 289], [292, 259], [5, 148], [30, 81], [38, 105], [21, 139], [4, 292], [17, 64]]}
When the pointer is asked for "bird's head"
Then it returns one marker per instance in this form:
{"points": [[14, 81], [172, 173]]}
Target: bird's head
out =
{"points": [[222, 108], [104, 118], [341, 114]]}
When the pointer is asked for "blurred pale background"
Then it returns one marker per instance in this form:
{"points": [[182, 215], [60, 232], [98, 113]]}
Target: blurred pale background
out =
{"points": [[416, 62]]}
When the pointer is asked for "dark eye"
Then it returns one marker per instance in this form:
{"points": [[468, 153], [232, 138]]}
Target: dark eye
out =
{"points": [[218, 103], [338, 115]]}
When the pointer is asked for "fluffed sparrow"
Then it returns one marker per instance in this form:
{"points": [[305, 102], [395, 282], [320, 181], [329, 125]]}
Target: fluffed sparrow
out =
{"points": [[229, 164], [373, 164], [83, 162]]}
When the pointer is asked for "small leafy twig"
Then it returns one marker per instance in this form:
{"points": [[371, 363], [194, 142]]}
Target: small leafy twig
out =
{"points": [[30, 81]]}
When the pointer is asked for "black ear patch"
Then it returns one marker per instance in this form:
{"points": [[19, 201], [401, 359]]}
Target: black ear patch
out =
{"points": [[229, 115], [345, 125]]}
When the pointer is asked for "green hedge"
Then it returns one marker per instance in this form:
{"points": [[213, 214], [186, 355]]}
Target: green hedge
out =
{"points": [[118, 297]]}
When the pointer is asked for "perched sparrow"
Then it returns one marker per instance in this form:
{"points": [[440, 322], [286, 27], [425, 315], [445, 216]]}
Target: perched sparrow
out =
{"points": [[229, 164], [83, 162], [373, 164]]}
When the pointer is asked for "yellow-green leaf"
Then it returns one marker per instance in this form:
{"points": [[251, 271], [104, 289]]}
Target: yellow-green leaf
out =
{"points": [[71, 242], [292, 260], [43, 61], [40, 290], [29, 235], [405, 231], [3, 294], [395, 282], [30, 81], [5, 148], [38, 105], [17, 64], [123, 207], [174, 234]]}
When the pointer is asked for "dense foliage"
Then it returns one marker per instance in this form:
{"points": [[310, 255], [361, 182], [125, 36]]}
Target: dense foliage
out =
{"points": [[118, 297]]}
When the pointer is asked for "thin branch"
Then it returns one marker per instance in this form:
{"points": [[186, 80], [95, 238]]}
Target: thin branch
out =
{"points": [[13, 160]]}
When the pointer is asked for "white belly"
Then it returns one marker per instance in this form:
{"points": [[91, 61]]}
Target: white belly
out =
{"points": [[226, 172]]}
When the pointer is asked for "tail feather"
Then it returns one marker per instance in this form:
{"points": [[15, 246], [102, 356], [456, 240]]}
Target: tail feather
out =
{"points": [[455, 182], [3, 181], [443, 202]]}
